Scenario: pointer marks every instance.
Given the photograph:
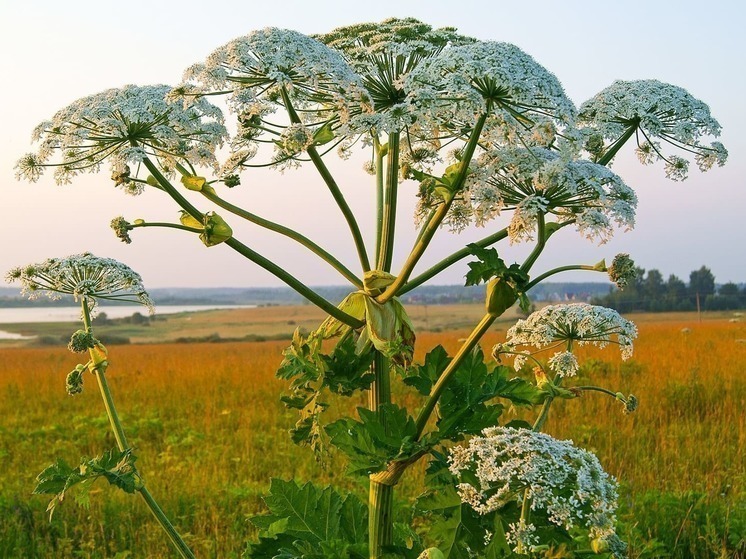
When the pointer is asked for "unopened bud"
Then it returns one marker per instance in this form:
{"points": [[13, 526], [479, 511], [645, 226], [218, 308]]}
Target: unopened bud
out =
{"points": [[74, 381], [81, 341], [500, 296]]}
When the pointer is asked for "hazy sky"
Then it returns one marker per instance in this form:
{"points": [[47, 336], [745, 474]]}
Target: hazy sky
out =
{"points": [[54, 52]]}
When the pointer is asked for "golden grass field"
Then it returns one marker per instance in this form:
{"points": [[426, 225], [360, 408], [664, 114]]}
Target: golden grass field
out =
{"points": [[209, 432]]}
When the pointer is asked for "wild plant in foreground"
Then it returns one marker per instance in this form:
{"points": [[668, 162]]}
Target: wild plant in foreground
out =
{"points": [[491, 140], [89, 279]]}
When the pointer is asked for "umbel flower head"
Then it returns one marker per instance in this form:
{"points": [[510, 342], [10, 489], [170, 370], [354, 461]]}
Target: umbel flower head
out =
{"points": [[384, 54], [461, 83], [655, 112], [565, 326], [124, 125], [256, 70], [84, 276], [533, 181], [564, 482]]}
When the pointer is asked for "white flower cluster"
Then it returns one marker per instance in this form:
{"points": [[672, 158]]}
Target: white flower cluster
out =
{"points": [[82, 276], [537, 180], [254, 70], [565, 482], [125, 125], [462, 82], [365, 45], [655, 111], [577, 323], [384, 54]]}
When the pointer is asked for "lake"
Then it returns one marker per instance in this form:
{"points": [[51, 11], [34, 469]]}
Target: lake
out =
{"points": [[72, 314]]}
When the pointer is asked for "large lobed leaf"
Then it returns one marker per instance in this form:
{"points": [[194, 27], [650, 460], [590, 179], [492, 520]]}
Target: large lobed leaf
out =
{"points": [[310, 522]]}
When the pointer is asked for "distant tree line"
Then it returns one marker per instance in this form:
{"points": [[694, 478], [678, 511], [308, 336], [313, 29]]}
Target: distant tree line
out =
{"points": [[650, 292]]}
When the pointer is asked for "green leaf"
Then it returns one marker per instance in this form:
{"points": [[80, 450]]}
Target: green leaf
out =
{"points": [[345, 371], [310, 522], [488, 266], [323, 135], [118, 468], [464, 407], [423, 377], [377, 439], [454, 527]]}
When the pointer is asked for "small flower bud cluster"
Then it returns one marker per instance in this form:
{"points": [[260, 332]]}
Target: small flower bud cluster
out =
{"points": [[622, 270], [74, 381], [81, 341], [565, 482], [121, 229]]}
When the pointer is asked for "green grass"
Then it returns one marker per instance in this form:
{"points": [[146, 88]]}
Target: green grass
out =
{"points": [[210, 432]]}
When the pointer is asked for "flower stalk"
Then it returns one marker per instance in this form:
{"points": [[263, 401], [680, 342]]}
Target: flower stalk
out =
{"points": [[97, 366]]}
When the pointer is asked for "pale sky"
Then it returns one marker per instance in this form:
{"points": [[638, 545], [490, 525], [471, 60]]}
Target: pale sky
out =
{"points": [[53, 52]]}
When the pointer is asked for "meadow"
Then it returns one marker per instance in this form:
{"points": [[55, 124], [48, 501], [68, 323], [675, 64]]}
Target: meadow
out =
{"points": [[210, 433]]}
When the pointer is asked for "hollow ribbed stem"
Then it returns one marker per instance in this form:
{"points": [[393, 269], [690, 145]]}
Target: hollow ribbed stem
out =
{"points": [[380, 518], [464, 350], [386, 246], [381, 495], [609, 154], [286, 231], [380, 389], [98, 368], [437, 217], [450, 260]]}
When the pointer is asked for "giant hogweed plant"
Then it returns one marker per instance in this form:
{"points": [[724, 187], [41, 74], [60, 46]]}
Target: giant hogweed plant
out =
{"points": [[489, 139]]}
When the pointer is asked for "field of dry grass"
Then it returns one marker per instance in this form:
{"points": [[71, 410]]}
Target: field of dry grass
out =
{"points": [[210, 432]]}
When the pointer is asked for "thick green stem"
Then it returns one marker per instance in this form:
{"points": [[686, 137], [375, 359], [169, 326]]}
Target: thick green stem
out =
{"points": [[609, 154], [450, 260], [291, 281], [381, 496], [386, 246], [464, 350], [286, 231], [380, 518], [99, 369], [437, 217], [333, 187], [379, 154], [254, 256], [380, 389]]}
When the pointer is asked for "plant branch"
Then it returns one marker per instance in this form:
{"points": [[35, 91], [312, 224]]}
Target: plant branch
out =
{"points": [[291, 281], [450, 260], [468, 345], [254, 256], [333, 187], [98, 368], [437, 218], [286, 231]]}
